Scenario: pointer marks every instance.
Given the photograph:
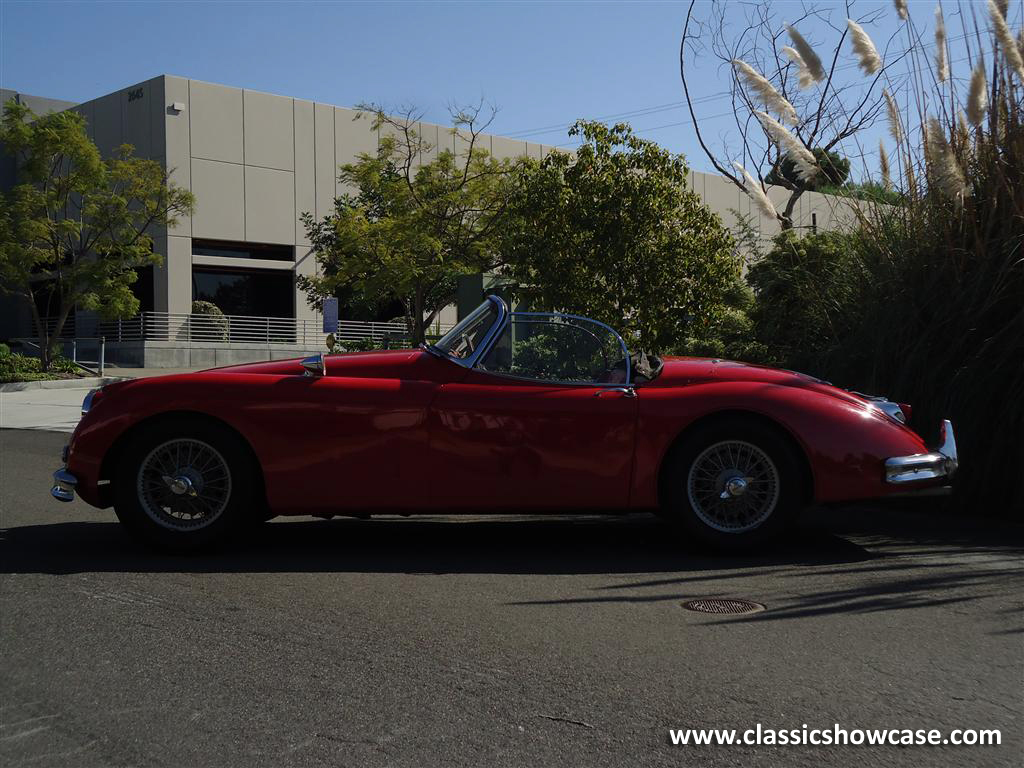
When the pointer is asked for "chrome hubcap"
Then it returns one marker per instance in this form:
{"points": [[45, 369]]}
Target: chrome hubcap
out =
{"points": [[180, 485], [184, 484], [733, 486]]}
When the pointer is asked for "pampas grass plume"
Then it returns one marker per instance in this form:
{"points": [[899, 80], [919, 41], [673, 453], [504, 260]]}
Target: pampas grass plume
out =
{"points": [[757, 193], [883, 164], [807, 54], [977, 99], [870, 61], [765, 91], [1005, 37], [805, 78], [945, 170], [941, 62], [790, 145], [895, 124]]}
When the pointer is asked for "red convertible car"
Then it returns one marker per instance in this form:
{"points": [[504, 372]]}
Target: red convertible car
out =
{"points": [[508, 412]]}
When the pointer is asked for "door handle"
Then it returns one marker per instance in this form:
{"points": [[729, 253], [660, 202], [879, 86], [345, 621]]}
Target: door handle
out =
{"points": [[624, 391]]}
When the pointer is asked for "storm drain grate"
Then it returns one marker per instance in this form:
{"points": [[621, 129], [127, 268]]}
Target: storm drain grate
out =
{"points": [[720, 605]]}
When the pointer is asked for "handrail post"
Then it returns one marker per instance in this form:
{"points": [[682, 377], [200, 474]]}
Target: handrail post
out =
{"points": [[74, 350], [103, 351]]}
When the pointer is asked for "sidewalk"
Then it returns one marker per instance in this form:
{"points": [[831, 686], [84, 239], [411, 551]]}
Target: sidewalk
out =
{"points": [[59, 410]]}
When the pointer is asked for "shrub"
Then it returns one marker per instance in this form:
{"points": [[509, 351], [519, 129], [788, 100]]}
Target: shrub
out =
{"points": [[208, 322], [729, 332], [808, 291]]}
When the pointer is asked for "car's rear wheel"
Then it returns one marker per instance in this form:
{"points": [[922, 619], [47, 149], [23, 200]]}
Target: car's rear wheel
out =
{"points": [[732, 484], [183, 486]]}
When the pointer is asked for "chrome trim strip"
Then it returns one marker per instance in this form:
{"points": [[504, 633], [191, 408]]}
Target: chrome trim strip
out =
{"points": [[886, 406], [942, 462], [624, 391], [892, 410], [64, 485]]}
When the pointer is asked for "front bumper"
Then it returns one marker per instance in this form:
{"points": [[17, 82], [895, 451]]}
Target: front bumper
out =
{"points": [[934, 465]]}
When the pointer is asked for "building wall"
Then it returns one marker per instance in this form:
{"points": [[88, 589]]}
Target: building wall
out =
{"points": [[257, 161], [254, 161]]}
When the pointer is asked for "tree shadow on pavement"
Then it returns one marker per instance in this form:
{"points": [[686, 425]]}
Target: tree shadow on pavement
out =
{"points": [[917, 561]]}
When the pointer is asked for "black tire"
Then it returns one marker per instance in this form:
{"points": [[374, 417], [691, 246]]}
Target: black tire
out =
{"points": [[219, 500], [692, 499]]}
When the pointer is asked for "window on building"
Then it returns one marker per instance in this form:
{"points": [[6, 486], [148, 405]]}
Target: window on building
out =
{"points": [[242, 250], [260, 293], [142, 288]]}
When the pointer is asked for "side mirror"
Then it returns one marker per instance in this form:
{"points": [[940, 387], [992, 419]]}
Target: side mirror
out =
{"points": [[315, 365]]}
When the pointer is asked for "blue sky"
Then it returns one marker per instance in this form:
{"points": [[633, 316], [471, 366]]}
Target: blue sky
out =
{"points": [[543, 64]]}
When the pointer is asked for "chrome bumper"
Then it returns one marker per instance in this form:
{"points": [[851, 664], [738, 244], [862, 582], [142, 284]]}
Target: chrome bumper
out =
{"points": [[64, 484], [942, 462]]}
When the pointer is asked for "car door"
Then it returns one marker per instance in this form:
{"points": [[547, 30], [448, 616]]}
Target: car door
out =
{"points": [[544, 421]]}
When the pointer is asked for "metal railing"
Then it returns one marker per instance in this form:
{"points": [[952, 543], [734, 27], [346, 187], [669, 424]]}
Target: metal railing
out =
{"points": [[70, 348], [239, 329]]}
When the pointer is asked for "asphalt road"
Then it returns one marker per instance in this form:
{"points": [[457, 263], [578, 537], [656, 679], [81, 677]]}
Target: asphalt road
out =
{"points": [[493, 641]]}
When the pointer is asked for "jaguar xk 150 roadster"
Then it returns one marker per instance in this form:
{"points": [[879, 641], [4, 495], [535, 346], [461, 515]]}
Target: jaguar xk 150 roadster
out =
{"points": [[508, 412]]}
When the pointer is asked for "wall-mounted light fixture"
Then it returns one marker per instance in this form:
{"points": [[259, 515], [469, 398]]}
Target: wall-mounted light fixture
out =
{"points": [[178, 106]]}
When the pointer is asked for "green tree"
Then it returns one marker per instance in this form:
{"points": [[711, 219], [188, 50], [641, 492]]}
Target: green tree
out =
{"points": [[414, 224], [75, 227], [613, 232]]}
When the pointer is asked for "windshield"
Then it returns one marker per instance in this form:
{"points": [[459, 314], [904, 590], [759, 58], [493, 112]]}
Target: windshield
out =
{"points": [[464, 339]]}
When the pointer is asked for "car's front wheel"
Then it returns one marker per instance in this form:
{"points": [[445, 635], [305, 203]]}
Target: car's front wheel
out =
{"points": [[184, 485], [733, 485]]}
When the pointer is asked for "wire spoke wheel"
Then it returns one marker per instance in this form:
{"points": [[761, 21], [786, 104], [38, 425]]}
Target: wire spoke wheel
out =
{"points": [[733, 486], [184, 484]]}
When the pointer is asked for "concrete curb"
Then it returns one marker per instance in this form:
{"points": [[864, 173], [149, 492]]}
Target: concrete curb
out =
{"points": [[87, 383]]}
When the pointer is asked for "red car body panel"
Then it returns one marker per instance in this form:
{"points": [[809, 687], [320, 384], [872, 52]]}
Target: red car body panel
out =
{"points": [[409, 431]]}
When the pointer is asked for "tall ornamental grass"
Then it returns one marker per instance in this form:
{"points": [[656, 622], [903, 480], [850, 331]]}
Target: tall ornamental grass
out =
{"points": [[923, 300]]}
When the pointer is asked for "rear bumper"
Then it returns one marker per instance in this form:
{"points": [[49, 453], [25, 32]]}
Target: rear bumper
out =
{"points": [[935, 465]]}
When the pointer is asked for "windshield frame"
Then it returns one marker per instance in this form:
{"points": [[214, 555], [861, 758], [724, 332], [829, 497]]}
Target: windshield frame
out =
{"points": [[491, 302]]}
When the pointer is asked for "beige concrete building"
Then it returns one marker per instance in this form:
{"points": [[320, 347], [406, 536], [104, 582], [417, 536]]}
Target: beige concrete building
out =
{"points": [[255, 163]]}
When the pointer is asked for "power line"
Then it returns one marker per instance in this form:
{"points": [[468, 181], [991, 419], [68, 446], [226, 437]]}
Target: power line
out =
{"points": [[641, 131], [643, 112]]}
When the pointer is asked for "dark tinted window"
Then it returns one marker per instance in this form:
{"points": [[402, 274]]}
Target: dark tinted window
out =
{"points": [[262, 293], [242, 250]]}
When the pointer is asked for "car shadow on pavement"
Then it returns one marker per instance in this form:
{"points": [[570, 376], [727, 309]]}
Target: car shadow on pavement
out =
{"points": [[479, 544]]}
